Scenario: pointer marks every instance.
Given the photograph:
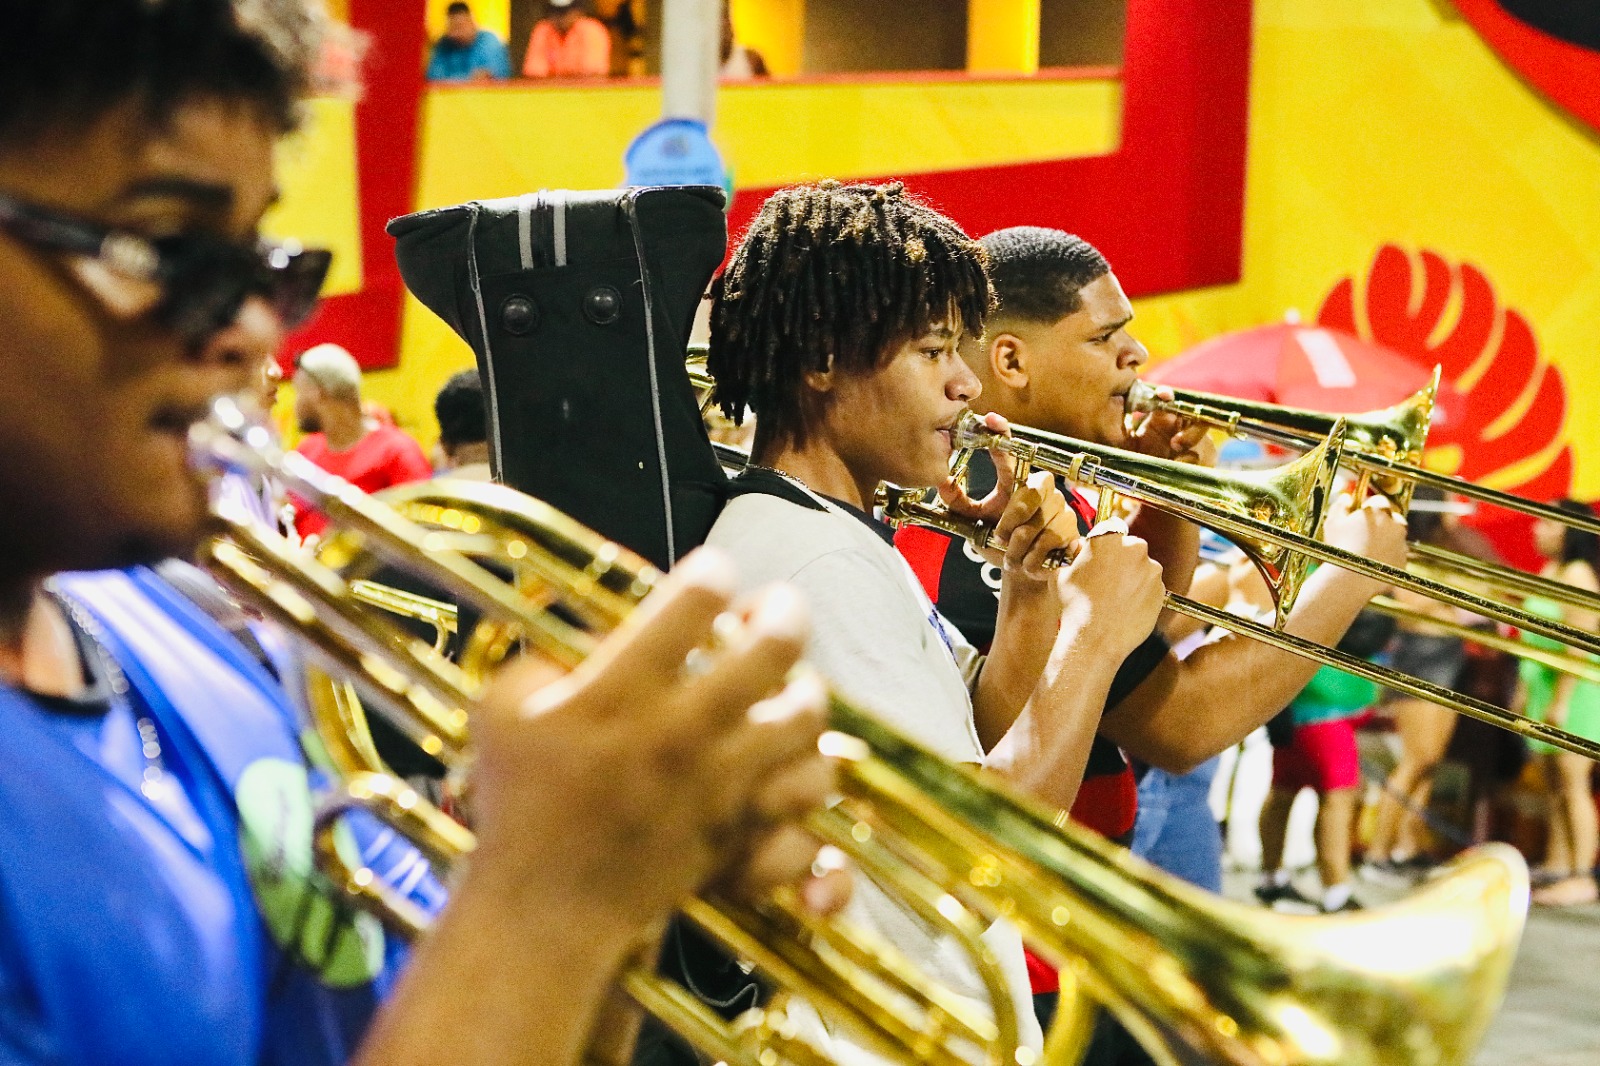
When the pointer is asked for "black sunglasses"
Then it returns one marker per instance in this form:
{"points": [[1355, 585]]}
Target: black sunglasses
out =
{"points": [[196, 282]]}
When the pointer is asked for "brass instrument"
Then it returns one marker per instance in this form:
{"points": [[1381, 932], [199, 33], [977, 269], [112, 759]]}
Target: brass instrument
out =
{"points": [[1495, 580], [1386, 444], [1152, 481], [1581, 667], [1195, 978], [1168, 485]]}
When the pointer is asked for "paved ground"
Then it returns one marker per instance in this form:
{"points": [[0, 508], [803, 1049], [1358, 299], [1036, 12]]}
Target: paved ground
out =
{"points": [[1552, 1012], [1551, 1016]]}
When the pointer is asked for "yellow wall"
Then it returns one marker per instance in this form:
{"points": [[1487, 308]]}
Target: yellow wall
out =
{"points": [[316, 171], [1003, 36], [1390, 121], [775, 28], [828, 131], [1372, 122]]}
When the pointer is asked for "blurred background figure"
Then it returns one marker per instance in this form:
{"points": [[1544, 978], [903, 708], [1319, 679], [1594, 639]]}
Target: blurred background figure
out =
{"points": [[1317, 750], [1563, 700], [568, 43], [625, 20], [340, 437], [463, 430], [739, 62], [252, 340], [467, 52], [1395, 851]]}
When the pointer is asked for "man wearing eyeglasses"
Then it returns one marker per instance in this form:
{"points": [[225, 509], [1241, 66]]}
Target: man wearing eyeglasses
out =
{"points": [[155, 874]]}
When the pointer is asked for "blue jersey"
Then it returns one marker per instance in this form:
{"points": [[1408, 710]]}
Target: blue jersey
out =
{"points": [[453, 62], [144, 925]]}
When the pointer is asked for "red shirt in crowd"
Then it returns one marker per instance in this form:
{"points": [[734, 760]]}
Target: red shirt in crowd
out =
{"points": [[384, 457], [585, 49]]}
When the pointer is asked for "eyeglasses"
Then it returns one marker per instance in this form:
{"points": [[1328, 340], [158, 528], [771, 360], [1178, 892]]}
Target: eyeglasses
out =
{"points": [[193, 284]]}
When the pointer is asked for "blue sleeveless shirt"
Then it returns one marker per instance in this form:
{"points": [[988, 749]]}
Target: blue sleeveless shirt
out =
{"points": [[186, 925]]}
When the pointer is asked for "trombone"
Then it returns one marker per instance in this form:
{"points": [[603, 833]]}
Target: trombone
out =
{"points": [[1385, 444], [1105, 468], [1218, 501], [1195, 978]]}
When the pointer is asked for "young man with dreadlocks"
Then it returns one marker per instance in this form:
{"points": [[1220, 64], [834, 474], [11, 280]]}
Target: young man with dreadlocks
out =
{"points": [[837, 321]]}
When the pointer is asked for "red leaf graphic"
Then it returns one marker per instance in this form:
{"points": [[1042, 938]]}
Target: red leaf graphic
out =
{"points": [[1404, 305]]}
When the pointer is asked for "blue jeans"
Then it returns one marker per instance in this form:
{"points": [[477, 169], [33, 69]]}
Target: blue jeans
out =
{"points": [[1175, 829]]}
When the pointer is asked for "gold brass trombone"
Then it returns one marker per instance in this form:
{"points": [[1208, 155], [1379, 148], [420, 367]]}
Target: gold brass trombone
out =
{"points": [[1579, 666], [1195, 978], [1387, 444], [1107, 468], [1503, 582], [1164, 484]]}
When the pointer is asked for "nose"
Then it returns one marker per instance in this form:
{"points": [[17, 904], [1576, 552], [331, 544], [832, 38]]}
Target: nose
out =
{"points": [[963, 384], [1133, 354]]}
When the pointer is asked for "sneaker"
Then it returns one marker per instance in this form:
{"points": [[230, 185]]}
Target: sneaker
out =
{"points": [[1388, 872], [1286, 898], [1348, 905]]}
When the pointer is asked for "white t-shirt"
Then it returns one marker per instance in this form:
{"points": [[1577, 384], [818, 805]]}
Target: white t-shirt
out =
{"points": [[882, 645]]}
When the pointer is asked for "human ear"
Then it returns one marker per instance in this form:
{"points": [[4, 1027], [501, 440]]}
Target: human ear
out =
{"points": [[820, 380], [1008, 361]]}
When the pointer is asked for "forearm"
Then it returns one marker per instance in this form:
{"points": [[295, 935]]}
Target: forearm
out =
{"points": [[510, 976], [1046, 748], [1186, 712], [1026, 626], [1174, 543]]}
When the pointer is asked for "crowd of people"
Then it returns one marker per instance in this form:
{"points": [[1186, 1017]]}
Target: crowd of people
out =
{"points": [[161, 901], [571, 40]]}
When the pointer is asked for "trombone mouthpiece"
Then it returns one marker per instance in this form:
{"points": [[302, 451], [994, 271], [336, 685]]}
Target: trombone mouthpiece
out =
{"points": [[970, 432], [1141, 397]]}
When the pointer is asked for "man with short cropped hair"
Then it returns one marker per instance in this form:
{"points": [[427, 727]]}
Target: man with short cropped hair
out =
{"points": [[340, 437], [1058, 355], [463, 427]]}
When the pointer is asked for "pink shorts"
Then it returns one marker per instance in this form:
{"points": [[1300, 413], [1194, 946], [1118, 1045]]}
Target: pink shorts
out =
{"points": [[1322, 757]]}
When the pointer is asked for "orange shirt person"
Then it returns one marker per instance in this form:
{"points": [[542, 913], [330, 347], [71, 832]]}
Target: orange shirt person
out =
{"points": [[568, 43]]}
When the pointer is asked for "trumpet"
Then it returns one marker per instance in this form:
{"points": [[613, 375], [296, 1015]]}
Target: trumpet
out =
{"points": [[1195, 978], [1385, 444]]}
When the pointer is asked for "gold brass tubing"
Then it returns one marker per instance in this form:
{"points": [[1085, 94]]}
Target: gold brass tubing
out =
{"points": [[436, 613], [905, 508], [1196, 979], [1389, 678], [1100, 469], [1582, 668], [1300, 428], [1444, 564]]}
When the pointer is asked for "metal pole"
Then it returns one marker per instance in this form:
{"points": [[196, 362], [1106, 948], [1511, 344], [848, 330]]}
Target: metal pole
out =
{"points": [[691, 37]]}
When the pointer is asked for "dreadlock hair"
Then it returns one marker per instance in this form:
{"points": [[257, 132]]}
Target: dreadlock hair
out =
{"points": [[68, 62], [832, 275], [1037, 273]]}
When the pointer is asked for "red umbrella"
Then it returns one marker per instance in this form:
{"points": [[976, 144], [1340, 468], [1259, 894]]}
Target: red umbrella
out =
{"points": [[1302, 366]]}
